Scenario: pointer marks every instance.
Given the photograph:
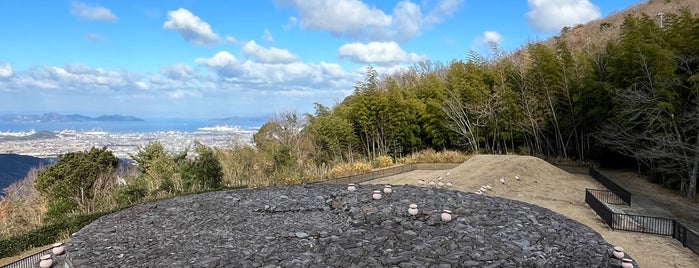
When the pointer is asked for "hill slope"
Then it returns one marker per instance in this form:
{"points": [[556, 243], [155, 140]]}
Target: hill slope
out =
{"points": [[14, 167], [599, 31]]}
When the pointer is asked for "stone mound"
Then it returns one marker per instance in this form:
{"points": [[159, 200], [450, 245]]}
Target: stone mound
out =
{"points": [[326, 226]]}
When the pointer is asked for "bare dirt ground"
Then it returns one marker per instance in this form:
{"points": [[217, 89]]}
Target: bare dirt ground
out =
{"points": [[547, 186]]}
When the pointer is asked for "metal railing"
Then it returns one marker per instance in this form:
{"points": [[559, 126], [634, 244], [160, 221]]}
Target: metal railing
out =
{"points": [[598, 206], [619, 191], [641, 223], [686, 236], [31, 261], [608, 197]]}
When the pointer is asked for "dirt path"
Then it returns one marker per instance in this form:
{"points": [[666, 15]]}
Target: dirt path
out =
{"points": [[654, 200], [545, 185]]}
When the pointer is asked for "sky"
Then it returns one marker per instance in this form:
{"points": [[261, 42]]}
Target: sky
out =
{"points": [[215, 59]]}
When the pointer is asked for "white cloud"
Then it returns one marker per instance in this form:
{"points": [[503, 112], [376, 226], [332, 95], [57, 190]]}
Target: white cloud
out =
{"points": [[378, 53], [355, 19], [444, 10], [338, 16], [245, 87], [5, 70], [273, 76], [268, 36], [271, 55], [490, 37], [485, 43], [177, 71], [84, 11], [549, 16], [141, 85], [407, 20], [94, 38], [389, 69], [221, 59], [180, 94], [76, 77], [231, 39], [190, 27], [293, 21]]}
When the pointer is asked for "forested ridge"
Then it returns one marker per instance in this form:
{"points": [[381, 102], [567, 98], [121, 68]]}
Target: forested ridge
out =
{"points": [[636, 95]]}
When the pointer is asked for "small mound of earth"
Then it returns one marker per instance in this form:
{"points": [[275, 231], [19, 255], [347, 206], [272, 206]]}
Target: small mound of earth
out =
{"points": [[524, 178], [509, 166], [326, 226]]}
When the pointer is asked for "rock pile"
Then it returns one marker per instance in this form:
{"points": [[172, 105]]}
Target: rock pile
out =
{"points": [[327, 226]]}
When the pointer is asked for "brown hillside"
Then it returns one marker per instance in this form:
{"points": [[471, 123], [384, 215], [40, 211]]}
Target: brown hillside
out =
{"points": [[594, 33]]}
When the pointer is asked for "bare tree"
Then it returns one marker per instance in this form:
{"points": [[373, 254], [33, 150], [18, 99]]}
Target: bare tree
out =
{"points": [[460, 119], [643, 130]]}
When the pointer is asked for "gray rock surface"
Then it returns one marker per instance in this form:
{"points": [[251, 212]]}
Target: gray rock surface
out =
{"points": [[326, 226]]}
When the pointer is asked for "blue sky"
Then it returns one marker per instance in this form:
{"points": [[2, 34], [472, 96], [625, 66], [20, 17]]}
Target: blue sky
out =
{"points": [[212, 59]]}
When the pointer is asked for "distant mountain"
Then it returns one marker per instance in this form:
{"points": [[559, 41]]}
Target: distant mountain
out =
{"points": [[14, 167], [116, 117], [238, 120], [55, 117]]}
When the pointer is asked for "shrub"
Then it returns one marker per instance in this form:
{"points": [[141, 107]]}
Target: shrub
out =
{"points": [[45, 234], [203, 172], [70, 183], [384, 161], [347, 169], [160, 170], [242, 166], [360, 167], [130, 194]]}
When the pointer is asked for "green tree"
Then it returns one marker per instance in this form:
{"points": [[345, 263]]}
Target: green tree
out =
{"points": [[332, 134], [431, 91], [72, 183], [283, 143], [203, 172], [160, 169], [468, 103]]}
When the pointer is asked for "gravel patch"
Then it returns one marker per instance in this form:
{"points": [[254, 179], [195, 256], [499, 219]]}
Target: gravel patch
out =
{"points": [[327, 226]]}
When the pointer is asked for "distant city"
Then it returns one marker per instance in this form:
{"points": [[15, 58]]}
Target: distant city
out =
{"points": [[44, 144], [50, 135]]}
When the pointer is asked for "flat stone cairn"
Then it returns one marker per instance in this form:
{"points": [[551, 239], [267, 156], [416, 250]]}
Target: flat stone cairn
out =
{"points": [[324, 225]]}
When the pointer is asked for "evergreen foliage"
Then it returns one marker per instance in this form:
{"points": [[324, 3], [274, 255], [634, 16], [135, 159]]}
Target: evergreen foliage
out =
{"points": [[202, 172], [71, 184]]}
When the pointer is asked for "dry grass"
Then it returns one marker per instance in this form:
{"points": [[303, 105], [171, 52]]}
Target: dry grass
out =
{"points": [[22, 209], [347, 169], [383, 161], [550, 187], [432, 156]]}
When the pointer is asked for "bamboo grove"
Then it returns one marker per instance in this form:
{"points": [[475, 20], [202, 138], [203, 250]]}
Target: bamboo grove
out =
{"points": [[636, 95]]}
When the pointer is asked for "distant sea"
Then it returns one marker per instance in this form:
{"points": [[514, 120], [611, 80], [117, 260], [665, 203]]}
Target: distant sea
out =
{"points": [[147, 126]]}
